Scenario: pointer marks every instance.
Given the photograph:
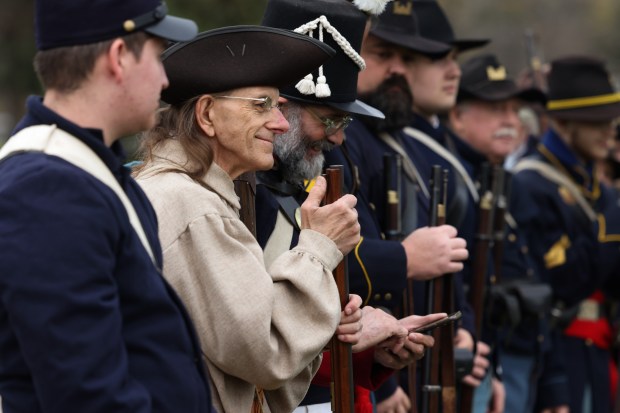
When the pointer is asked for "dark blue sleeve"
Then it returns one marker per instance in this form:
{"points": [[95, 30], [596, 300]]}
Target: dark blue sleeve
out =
{"points": [[561, 241], [56, 288]]}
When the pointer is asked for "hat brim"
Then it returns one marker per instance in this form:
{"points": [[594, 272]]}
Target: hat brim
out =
{"points": [[174, 28], [494, 91], [239, 56], [356, 107], [468, 44], [599, 113], [416, 43]]}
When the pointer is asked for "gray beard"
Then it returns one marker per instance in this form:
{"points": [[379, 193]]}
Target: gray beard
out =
{"points": [[291, 149]]}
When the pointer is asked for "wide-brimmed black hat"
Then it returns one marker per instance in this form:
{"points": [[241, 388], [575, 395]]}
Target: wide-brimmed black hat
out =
{"points": [[239, 56], [61, 23], [398, 24], [484, 78], [579, 89], [340, 24], [434, 24]]}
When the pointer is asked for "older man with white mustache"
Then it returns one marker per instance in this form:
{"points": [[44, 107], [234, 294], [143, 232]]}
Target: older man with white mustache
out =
{"points": [[486, 115], [486, 120]]}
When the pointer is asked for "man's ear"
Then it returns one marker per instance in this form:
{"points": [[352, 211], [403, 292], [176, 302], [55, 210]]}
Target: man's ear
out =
{"points": [[454, 118], [115, 59], [203, 110]]}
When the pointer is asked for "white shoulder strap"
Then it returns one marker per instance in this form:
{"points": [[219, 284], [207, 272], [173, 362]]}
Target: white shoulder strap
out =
{"points": [[279, 241], [408, 166], [53, 141], [444, 153], [559, 178]]}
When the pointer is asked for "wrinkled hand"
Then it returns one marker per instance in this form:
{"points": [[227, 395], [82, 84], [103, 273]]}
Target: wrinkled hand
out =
{"points": [[396, 403], [434, 251], [481, 364], [378, 326], [498, 397], [350, 328], [397, 352], [337, 221]]}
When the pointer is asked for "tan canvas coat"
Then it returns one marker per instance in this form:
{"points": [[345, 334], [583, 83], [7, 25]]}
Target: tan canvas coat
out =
{"points": [[257, 327]]}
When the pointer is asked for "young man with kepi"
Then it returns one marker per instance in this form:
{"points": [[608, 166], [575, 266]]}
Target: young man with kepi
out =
{"points": [[87, 323], [571, 229]]}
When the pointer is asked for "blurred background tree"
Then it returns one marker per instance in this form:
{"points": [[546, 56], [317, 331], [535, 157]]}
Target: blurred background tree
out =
{"points": [[561, 26]]}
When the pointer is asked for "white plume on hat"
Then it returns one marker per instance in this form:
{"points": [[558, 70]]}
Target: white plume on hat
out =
{"points": [[374, 7], [306, 85]]}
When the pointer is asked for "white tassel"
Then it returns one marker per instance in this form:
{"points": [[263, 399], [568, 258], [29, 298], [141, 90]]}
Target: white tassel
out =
{"points": [[374, 7], [322, 88], [306, 85]]}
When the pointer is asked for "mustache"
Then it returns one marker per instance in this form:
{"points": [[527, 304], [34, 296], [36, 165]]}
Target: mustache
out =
{"points": [[506, 132], [322, 145]]}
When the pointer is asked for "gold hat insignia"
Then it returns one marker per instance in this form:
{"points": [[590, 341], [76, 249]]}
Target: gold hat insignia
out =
{"points": [[403, 8], [498, 73]]}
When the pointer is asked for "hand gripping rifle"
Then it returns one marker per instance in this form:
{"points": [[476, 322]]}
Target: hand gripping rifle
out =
{"points": [[484, 238], [439, 371], [392, 175], [341, 357]]}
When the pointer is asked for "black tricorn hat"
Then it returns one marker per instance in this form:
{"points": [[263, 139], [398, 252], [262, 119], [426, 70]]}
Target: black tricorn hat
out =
{"points": [[484, 78], [399, 25], [341, 25], [434, 24], [61, 23], [579, 89], [239, 56]]}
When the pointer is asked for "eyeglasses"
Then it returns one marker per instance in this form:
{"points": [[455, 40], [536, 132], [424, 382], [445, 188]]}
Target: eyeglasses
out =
{"points": [[332, 126], [265, 105]]}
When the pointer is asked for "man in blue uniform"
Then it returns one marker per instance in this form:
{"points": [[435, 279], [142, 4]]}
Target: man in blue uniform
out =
{"points": [[378, 269], [87, 323], [487, 127], [565, 223], [391, 56]]}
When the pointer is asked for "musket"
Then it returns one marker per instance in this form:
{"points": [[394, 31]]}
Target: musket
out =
{"points": [[499, 224], [392, 175], [484, 236], [439, 363], [534, 60], [245, 187], [341, 355]]}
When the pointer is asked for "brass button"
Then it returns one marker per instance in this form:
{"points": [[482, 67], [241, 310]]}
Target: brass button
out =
{"points": [[589, 342], [493, 279], [525, 249], [512, 237], [388, 296], [377, 297]]}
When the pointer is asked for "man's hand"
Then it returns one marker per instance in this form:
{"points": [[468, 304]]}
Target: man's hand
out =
{"points": [[498, 397], [481, 364], [558, 409], [350, 328], [434, 251], [396, 403], [337, 221]]}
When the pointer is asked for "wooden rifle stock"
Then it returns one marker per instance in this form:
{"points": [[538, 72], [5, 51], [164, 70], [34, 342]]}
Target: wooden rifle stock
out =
{"points": [[245, 187], [392, 174], [484, 237], [341, 356], [439, 375], [499, 225]]}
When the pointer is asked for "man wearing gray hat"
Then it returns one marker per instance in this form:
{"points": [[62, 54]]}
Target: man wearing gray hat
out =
{"points": [[87, 323]]}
